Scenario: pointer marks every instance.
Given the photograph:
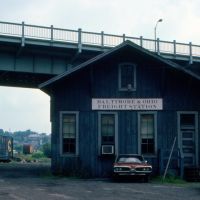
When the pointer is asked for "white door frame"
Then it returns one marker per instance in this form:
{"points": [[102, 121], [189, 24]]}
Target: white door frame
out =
{"points": [[196, 132]]}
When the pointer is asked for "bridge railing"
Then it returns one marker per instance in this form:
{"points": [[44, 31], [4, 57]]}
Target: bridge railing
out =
{"points": [[7, 28], [98, 39]]}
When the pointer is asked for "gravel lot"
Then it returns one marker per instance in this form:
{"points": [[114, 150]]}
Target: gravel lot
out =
{"points": [[33, 182]]}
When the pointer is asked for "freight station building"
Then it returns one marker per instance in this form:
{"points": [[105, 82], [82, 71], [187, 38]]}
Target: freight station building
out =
{"points": [[127, 100]]}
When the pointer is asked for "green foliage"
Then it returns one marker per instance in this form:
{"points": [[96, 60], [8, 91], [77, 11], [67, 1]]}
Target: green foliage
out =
{"points": [[35, 157], [1, 132], [46, 148], [18, 148], [169, 179], [38, 155]]}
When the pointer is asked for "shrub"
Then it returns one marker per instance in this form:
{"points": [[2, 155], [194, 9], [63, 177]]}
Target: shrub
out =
{"points": [[38, 155], [46, 148]]}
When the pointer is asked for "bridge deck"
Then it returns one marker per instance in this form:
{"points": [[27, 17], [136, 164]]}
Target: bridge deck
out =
{"points": [[50, 36]]}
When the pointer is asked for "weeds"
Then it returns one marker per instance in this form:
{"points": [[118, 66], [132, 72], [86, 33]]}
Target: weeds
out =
{"points": [[169, 179]]}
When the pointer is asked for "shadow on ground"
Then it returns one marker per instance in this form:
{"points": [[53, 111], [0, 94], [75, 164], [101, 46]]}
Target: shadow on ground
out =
{"points": [[15, 170]]}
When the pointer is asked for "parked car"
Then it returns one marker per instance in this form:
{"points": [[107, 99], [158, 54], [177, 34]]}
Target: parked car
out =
{"points": [[131, 165]]}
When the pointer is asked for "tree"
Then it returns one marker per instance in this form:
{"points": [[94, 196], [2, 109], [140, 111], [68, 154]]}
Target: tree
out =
{"points": [[46, 148], [1, 132], [18, 148]]}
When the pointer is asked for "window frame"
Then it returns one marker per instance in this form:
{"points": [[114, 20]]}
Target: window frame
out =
{"points": [[116, 131], [133, 88], [155, 133], [76, 113]]}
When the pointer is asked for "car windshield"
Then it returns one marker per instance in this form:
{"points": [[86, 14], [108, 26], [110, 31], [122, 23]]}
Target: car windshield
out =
{"points": [[130, 160]]}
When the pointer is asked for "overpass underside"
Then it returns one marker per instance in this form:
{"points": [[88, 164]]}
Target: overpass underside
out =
{"points": [[30, 65], [22, 79]]}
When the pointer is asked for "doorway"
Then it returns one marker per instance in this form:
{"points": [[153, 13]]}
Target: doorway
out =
{"points": [[188, 137]]}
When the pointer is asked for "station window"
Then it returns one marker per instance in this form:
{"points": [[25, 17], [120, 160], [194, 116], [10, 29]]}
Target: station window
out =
{"points": [[127, 77], [147, 133], [69, 124], [187, 121], [108, 137], [107, 129]]}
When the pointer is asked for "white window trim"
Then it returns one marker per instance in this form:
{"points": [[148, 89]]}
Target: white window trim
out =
{"points": [[119, 77], [77, 133], [155, 136], [196, 132], [116, 131]]}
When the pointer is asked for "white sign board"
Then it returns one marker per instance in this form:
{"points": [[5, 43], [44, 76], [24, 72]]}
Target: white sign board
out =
{"points": [[127, 104]]}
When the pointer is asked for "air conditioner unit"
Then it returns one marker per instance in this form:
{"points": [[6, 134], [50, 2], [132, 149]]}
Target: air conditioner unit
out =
{"points": [[107, 149]]}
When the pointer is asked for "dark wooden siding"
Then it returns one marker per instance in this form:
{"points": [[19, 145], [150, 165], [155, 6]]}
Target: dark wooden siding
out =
{"points": [[127, 131], [179, 93]]}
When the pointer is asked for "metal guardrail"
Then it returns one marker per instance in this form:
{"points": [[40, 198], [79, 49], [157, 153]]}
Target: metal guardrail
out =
{"points": [[97, 39]]}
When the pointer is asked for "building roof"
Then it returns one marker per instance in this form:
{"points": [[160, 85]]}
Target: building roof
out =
{"points": [[125, 44]]}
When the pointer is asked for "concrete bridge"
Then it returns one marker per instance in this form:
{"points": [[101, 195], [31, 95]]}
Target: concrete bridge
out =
{"points": [[31, 54]]}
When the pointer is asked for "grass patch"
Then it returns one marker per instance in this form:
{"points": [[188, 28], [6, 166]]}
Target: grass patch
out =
{"points": [[34, 157], [170, 179]]}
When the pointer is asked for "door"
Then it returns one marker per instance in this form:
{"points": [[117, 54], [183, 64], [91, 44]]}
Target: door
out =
{"points": [[187, 137]]}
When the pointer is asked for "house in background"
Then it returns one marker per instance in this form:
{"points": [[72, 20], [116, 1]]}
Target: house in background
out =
{"points": [[125, 101]]}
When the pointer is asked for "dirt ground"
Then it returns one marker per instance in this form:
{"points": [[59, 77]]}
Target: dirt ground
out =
{"points": [[33, 181]]}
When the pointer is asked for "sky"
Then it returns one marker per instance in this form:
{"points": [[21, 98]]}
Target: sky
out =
{"points": [[22, 109]]}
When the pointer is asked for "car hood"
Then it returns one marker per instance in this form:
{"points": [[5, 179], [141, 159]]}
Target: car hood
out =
{"points": [[131, 164]]}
